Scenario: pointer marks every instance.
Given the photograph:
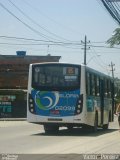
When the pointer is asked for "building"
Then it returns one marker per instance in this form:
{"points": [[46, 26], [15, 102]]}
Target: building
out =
{"points": [[13, 82], [14, 69]]}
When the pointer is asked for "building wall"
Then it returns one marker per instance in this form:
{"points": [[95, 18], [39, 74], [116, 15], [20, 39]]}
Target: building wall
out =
{"points": [[14, 69], [13, 103], [13, 81]]}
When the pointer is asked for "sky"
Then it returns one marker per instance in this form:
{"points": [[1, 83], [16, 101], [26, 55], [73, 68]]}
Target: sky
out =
{"points": [[58, 28]]}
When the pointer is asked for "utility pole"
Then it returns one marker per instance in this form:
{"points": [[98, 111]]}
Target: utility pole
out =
{"points": [[85, 44], [85, 49], [112, 69]]}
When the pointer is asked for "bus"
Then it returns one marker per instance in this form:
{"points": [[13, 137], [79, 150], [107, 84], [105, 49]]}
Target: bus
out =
{"points": [[69, 95]]}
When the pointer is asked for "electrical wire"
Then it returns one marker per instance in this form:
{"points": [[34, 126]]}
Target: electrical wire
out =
{"points": [[34, 22], [113, 8], [25, 24], [98, 61], [49, 18], [66, 44]]}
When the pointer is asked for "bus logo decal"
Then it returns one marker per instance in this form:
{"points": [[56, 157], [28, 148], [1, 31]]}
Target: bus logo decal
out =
{"points": [[46, 100]]}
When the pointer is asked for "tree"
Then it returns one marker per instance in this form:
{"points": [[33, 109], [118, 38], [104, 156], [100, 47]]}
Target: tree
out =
{"points": [[115, 39]]}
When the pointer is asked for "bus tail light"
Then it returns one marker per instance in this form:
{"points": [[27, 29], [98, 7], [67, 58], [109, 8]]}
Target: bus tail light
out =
{"points": [[31, 104], [79, 105], [78, 111]]}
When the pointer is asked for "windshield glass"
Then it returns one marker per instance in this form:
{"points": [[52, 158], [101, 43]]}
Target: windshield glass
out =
{"points": [[56, 76]]}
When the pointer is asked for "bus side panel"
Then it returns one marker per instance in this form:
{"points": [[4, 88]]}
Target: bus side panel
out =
{"points": [[99, 100], [30, 117], [82, 117]]}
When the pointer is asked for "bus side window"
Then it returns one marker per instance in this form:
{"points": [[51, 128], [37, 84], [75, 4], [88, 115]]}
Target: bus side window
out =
{"points": [[88, 83], [107, 81], [98, 86], [106, 87], [109, 88], [95, 83], [92, 84]]}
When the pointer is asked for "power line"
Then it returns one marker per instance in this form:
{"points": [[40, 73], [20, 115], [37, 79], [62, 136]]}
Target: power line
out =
{"points": [[49, 42], [104, 47], [34, 22], [113, 8], [25, 24], [58, 43], [40, 40], [51, 19], [22, 38], [35, 44], [32, 39], [112, 69], [99, 61]]}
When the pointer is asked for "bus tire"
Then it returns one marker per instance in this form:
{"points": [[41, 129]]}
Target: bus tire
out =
{"points": [[70, 127], [105, 126], [49, 129], [95, 127]]}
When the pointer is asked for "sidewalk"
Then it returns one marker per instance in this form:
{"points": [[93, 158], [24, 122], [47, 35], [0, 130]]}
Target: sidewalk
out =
{"points": [[13, 119], [11, 122]]}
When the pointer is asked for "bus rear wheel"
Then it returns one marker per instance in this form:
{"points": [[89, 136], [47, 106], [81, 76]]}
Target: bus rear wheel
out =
{"points": [[70, 127], [105, 126], [49, 129], [95, 127]]}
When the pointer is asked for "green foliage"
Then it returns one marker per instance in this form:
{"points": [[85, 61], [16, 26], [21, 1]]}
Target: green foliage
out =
{"points": [[115, 39]]}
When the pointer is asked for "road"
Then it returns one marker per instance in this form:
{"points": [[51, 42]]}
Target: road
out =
{"points": [[21, 137]]}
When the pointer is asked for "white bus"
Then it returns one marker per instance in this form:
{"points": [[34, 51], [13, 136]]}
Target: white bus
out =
{"points": [[70, 95]]}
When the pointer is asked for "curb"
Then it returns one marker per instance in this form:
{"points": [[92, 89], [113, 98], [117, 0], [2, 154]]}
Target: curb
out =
{"points": [[13, 119]]}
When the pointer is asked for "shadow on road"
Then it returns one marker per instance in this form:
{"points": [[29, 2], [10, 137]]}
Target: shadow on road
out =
{"points": [[77, 132]]}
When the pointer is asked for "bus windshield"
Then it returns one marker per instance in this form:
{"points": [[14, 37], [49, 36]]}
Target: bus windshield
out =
{"points": [[56, 76]]}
